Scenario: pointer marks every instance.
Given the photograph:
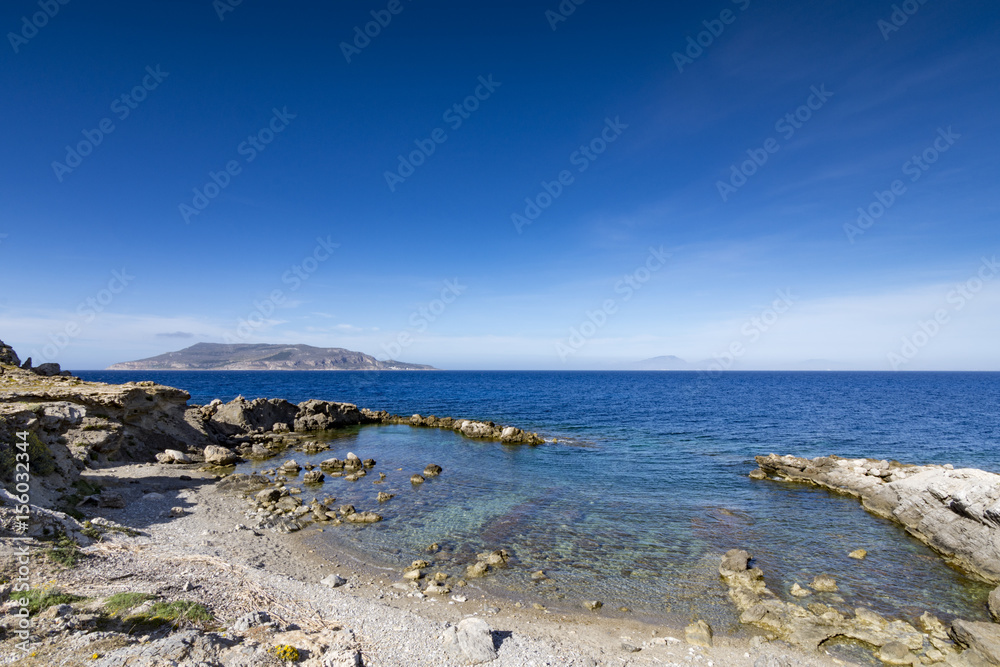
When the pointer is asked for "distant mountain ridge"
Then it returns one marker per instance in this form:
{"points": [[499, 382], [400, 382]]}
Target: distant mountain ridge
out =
{"points": [[666, 362], [264, 357]]}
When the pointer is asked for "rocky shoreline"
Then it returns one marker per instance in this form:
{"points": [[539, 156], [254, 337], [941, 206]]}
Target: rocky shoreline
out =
{"points": [[147, 549], [954, 512]]}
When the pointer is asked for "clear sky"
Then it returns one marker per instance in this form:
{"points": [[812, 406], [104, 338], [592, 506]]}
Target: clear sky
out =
{"points": [[509, 185]]}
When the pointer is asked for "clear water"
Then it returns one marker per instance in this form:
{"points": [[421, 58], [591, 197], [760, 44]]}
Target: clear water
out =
{"points": [[647, 483]]}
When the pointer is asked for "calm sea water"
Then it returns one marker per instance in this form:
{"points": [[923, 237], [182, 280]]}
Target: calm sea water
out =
{"points": [[646, 484]]}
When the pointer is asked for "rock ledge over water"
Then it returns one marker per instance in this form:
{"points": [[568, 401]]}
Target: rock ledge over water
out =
{"points": [[955, 512]]}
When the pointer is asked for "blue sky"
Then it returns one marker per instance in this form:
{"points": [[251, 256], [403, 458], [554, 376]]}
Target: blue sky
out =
{"points": [[429, 266]]}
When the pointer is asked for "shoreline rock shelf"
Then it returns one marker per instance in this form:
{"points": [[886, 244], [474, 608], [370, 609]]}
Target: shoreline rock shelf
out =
{"points": [[956, 512], [897, 642]]}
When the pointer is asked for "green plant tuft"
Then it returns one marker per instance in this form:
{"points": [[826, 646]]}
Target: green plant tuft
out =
{"points": [[64, 551], [40, 599], [176, 612], [120, 602]]}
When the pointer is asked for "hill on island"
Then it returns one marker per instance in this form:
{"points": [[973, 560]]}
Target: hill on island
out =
{"points": [[264, 357], [664, 363]]}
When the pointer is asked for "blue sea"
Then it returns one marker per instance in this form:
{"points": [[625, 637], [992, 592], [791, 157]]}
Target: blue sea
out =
{"points": [[643, 483]]}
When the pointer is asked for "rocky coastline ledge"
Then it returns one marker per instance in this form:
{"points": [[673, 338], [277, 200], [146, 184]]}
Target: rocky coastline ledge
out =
{"points": [[956, 512]]}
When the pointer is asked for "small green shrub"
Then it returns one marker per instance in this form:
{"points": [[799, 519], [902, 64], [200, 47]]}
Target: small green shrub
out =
{"points": [[64, 551], [120, 602], [176, 612], [40, 599], [40, 461]]}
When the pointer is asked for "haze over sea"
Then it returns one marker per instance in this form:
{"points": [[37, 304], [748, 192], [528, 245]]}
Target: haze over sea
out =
{"points": [[643, 481]]}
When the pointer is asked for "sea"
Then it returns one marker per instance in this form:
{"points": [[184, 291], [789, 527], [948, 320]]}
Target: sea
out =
{"points": [[642, 482]]}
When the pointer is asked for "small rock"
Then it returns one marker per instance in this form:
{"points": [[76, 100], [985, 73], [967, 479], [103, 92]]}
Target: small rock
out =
{"points": [[412, 575], [858, 554], [895, 653], [333, 581], [384, 497], [475, 639], [313, 477], [251, 620], [477, 570], [592, 605], [459, 598], [220, 456], [416, 479], [629, 648], [432, 470], [539, 576], [435, 588], [799, 591], [824, 583], [173, 456], [699, 633], [177, 511], [758, 474]]}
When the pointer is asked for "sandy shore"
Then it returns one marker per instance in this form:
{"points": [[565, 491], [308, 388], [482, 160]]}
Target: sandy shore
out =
{"points": [[206, 555]]}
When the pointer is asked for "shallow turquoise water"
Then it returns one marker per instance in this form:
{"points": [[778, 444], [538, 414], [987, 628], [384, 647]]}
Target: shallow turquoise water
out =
{"points": [[647, 485]]}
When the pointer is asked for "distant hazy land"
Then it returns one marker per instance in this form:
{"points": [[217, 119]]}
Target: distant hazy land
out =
{"points": [[264, 357]]}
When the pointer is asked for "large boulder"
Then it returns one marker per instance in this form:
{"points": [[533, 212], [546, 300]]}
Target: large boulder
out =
{"points": [[243, 416], [314, 415], [982, 638], [8, 355]]}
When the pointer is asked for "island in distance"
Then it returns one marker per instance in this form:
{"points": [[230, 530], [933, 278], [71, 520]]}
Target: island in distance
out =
{"points": [[264, 357]]}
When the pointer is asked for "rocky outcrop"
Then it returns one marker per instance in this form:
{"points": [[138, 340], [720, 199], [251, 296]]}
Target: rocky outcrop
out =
{"points": [[982, 639], [809, 627], [955, 512], [467, 427], [313, 415], [77, 424], [241, 416], [8, 355]]}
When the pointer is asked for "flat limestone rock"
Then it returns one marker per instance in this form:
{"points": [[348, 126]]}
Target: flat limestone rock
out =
{"points": [[954, 512], [983, 638]]}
